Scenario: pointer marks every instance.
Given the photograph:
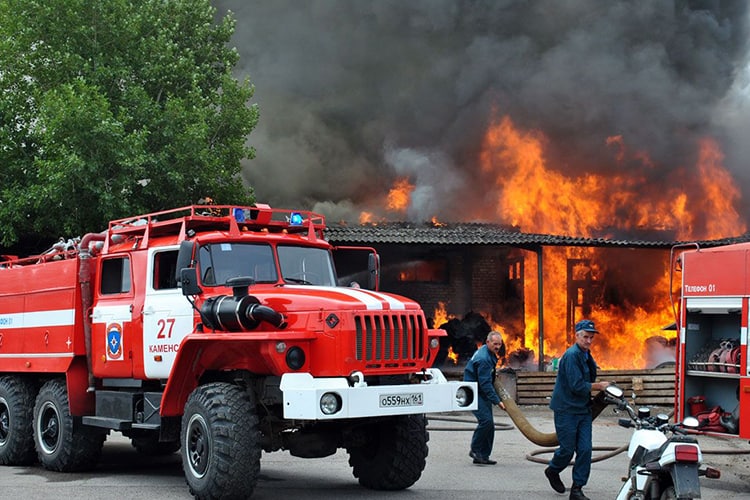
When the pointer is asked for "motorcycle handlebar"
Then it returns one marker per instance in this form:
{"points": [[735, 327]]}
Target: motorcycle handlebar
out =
{"points": [[635, 421]]}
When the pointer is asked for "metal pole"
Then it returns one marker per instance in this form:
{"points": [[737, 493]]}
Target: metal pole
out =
{"points": [[540, 300]]}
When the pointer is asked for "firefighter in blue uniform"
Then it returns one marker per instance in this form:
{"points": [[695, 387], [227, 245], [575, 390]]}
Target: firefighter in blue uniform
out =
{"points": [[571, 403], [481, 369]]}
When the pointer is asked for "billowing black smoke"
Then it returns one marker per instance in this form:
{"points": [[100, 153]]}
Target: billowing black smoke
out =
{"points": [[355, 93]]}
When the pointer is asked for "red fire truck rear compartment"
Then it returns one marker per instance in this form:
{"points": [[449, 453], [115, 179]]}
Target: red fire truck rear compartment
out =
{"points": [[41, 329], [712, 357]]}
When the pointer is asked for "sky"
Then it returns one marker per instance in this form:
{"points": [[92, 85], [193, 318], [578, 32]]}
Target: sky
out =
{"points": [[355, 94]]}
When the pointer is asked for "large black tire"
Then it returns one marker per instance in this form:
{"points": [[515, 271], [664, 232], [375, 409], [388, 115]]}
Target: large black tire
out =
{"points": [[61, 445], [16, 417], [393, 455], [220, 442]]}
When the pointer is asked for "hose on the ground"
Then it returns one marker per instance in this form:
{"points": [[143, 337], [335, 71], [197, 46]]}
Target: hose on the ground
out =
{"points": [[532, 457], [498, 426], [506, 427]]}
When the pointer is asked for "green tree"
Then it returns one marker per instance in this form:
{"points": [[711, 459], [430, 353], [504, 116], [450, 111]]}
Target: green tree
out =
{"points": [[111, 108]]}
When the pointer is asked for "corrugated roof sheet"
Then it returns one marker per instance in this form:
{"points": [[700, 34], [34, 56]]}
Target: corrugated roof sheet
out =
{"points": [[489, 234]]}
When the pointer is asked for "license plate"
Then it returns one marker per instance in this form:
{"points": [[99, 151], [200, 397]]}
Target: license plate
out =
{"points": [[410, 399]]}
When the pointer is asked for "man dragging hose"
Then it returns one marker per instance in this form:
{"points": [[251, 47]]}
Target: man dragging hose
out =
{"points": [[571, 403], [481, 369]]}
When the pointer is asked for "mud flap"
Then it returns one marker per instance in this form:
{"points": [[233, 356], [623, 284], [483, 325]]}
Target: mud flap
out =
{"points": [[685, 480]]}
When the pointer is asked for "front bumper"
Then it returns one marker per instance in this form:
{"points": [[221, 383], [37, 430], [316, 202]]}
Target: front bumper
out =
{"points": [[302, 394]]}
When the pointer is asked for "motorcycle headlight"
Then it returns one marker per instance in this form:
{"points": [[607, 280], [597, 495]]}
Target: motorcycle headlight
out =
{"points": [[690, 422]]}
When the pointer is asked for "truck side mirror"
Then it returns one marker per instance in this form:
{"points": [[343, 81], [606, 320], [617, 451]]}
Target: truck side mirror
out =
{"points": [[373, 268], [189, 281], [184, 258]]}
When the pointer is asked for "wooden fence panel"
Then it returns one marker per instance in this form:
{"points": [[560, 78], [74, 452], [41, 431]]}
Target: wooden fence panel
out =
{"points": [[652, 387]]}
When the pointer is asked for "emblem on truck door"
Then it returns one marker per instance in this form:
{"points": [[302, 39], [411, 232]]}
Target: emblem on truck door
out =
{"points": [[114, 341]]}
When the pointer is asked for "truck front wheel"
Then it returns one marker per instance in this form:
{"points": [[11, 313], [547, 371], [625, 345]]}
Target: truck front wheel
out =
{"points": [[62, 445], [220, 442], [16, 415], [393, 454]]}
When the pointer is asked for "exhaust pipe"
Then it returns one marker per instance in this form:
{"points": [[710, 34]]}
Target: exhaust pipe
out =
{"points": [[229, 314], [240, 312], [257, 312], [546, 439], [85, 273]]}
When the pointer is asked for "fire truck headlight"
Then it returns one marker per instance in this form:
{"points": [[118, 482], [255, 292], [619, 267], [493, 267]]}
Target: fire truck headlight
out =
{"points": [[330, 403], [464, 396], [295, 358], [434, 343]]}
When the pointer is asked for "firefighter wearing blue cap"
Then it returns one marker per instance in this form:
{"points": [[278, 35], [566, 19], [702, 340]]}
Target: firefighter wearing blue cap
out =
{"points": [[571, 403]]}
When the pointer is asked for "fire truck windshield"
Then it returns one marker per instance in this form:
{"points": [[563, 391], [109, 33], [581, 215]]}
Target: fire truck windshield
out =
{"points": [[306, 265], [220, 261]]}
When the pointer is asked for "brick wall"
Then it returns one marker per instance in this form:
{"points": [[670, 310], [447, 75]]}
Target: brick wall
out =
{"points": [[477, 280]]}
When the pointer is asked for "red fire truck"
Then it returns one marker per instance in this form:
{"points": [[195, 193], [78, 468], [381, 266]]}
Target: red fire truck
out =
{"points": [[713, 370], [219, 331]]}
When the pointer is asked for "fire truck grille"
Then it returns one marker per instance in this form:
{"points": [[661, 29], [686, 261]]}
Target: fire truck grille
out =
{"points": [[390, 337]]}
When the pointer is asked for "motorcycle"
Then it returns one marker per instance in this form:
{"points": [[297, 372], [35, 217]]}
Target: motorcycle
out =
{"points": [[665, 462]]}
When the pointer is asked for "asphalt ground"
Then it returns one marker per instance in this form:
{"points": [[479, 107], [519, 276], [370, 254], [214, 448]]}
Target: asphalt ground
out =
{"points": [[450, 473]]}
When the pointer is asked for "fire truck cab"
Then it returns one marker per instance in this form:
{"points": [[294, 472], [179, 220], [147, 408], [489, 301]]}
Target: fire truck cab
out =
{"points": [[219, 331], [713, 370]]}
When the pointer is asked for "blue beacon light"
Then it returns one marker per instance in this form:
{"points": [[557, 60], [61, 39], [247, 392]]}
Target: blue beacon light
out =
{"points": [[239, 215], [295, 219]]}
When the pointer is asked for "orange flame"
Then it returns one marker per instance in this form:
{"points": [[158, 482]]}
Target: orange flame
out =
{"points": [[435, 222], [452, 355], [398, 196], [365, 217], [540, 199], [397, 200], [440, 316]]}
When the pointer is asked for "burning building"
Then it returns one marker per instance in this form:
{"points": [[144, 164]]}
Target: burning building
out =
{"points": [[480, 277], [534, 286]]}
